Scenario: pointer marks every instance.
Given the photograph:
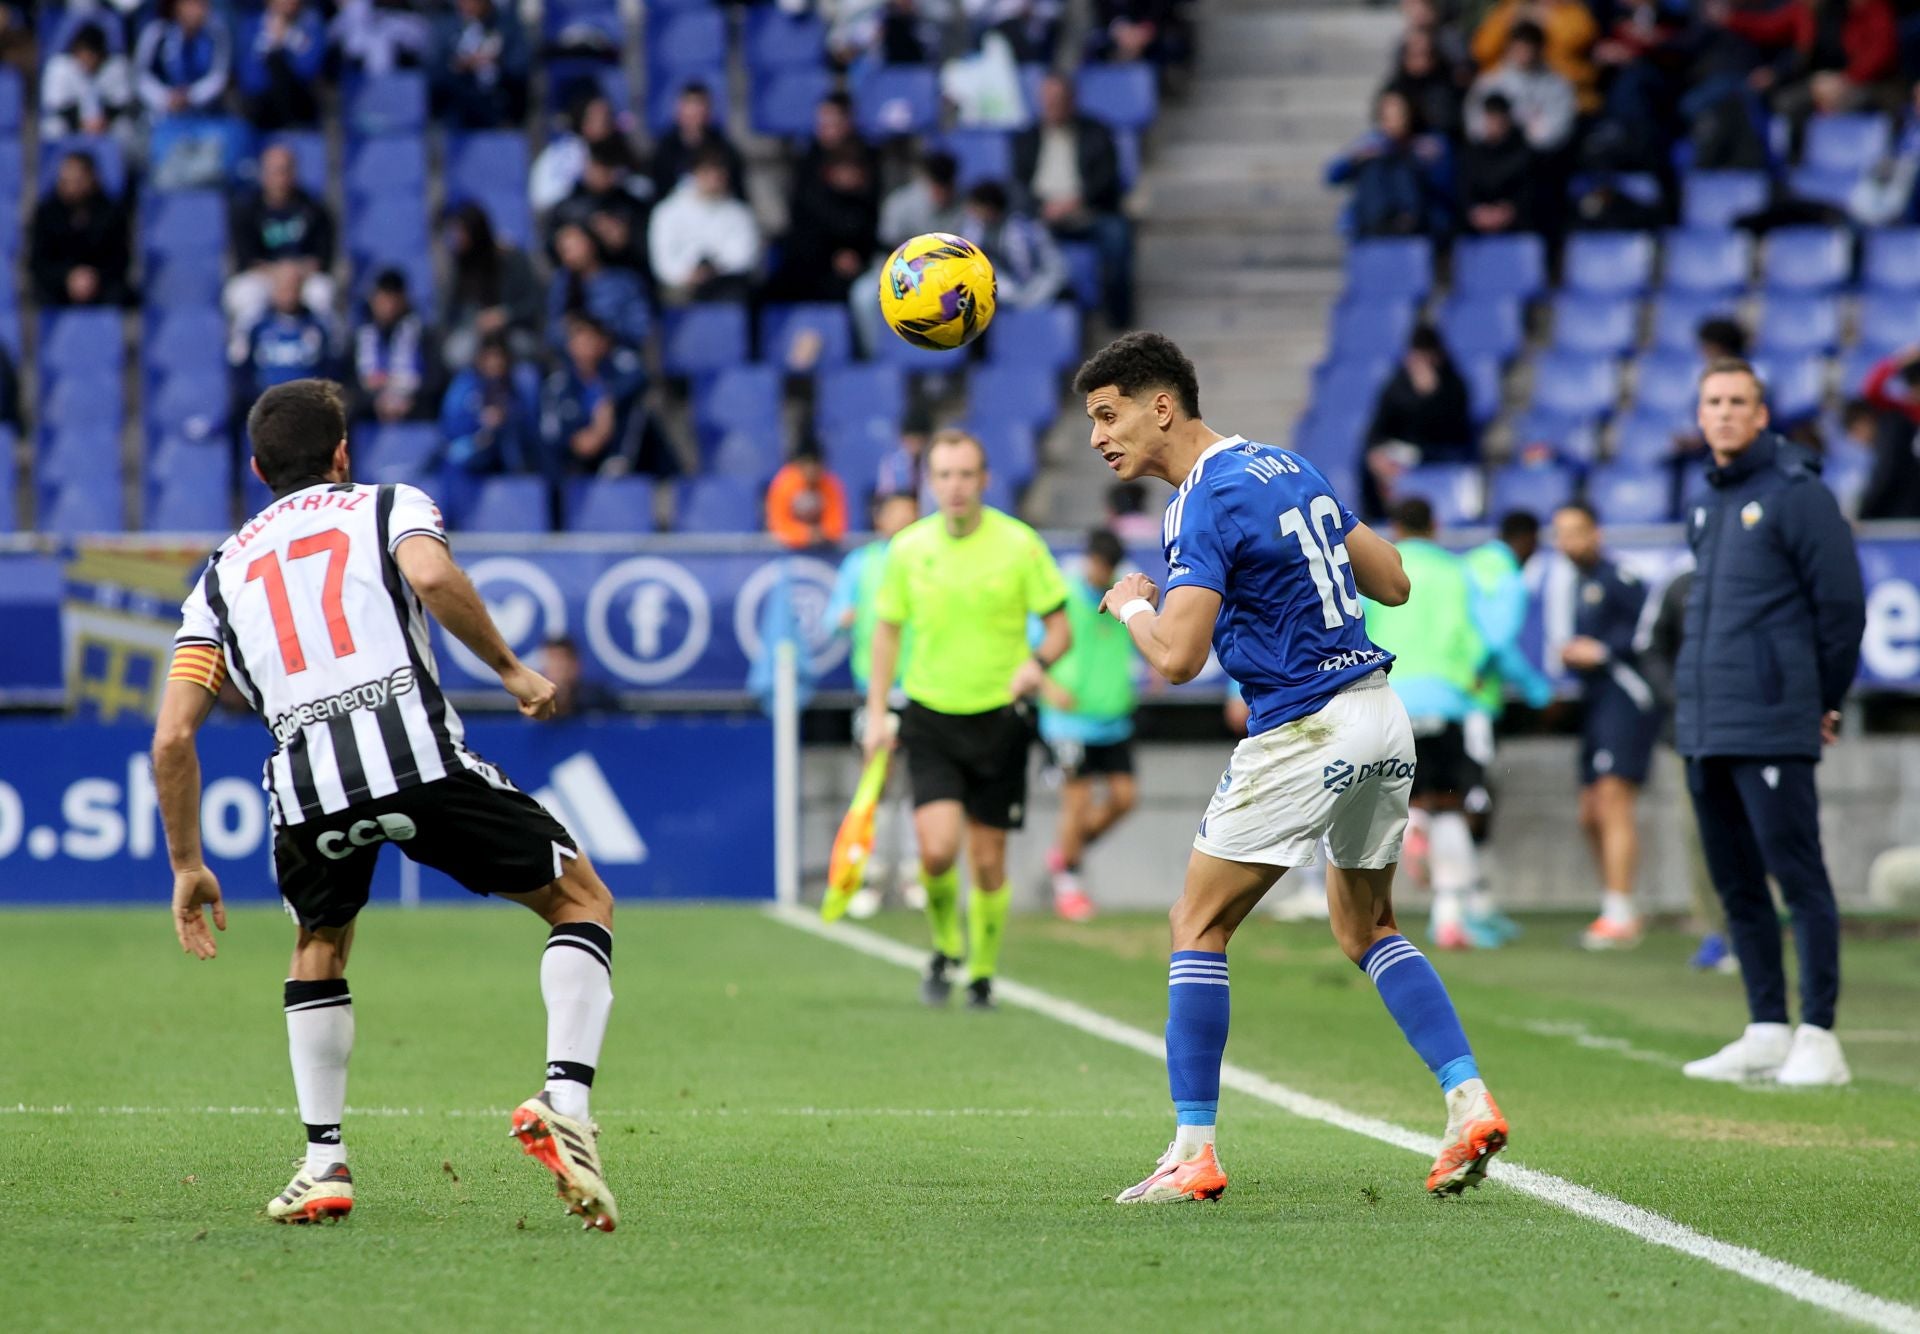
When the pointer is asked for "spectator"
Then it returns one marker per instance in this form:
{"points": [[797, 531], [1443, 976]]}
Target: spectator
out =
{"points": [[492, 291], [1602, 206], [482, 80], [1850, 454], [1449, 43], [79, 253], [1827, 54], [393, 369], [611, 202], [883, 32], [572, 696], [278, 223], [88, 90], [1155, 30], [1422, 416], [1892, 391], [1396, 174], [591, 120], [1542, 100], [282, 50], [833, 129], [806, 505], [1030, 27], [1028, 267], [183, 61], [705, 244], [1497, 172], [832, 231], [592, 419], [288, 341], [1719, 337], [693, 129], [379, 36], [1641, 55], [1070, 171], [1430, 84], [585, 284], [490, 418], [901, 470], [1567, 34]]}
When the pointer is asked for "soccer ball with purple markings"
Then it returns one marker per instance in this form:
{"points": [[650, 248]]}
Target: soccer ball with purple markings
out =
{"points": [[937, 291]]}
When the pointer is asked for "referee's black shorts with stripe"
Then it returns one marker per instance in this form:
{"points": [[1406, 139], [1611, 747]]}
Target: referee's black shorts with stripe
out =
{"points": [[492, 840], [976, 759]]}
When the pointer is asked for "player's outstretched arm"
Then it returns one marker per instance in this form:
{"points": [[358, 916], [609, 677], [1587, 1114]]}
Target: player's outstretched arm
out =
{"points": [[1174, 640], [184, 705], [1377, 571], [451, 599]]}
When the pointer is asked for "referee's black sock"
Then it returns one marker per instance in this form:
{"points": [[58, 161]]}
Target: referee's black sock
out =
{"points": [[576, 980]]}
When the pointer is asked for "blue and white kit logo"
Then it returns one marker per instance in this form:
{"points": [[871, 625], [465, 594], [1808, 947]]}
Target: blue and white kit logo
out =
{"points": [[1337, 777]]}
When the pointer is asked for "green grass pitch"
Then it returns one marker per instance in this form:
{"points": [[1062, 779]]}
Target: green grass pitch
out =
{"points": [[797, 1144]]}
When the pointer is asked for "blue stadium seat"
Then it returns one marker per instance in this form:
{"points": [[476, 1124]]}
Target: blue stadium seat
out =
{"points": [[694, 38], [387, 104], [1667, 382], [1596, 325], [507, 209], [1569, 436], [309, 157], [1889, 320], [185, 221], [1039, 336], [11, 235], [79, 456], [1487, 326], [10, 102], [1846, 143], [188, 338], [718, 505], [1574, 384], [999, 494], [478, 164], [1011, 453], [602, 16], [568, 78], [776, 40], [84, 399], [1083, 272], [896, 100], [854, 450], [388, 165], [898, 352], [1891, 260], [396, 452], [750, 454], [1352, 382], [663, 94], [1855, 366], [981, 155], [1794, 325], [783, 105], [1643, 437], [1623, 493], [1119, 96], [705, 337], [86, 508], [1677, 315], [1538, 488], [738, 398], [197, 401], [1795, 385], [1401, 267], [1369, 325], [611, 505], [1823, 186], [1018, 393], [1483, 376], [1609, 263], [1500, 266], [78, 339], [191, 505], [1707, 261], [1333, 438], [1806, 259], [109, 160], [780, 326], [10, 332], [180, 459], [861, 393], [507, 505], [1713, 199], [1126, 153], [1456, 491]]}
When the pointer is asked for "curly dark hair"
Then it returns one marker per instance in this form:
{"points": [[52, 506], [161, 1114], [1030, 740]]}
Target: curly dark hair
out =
{"points": [[1142, 360]]}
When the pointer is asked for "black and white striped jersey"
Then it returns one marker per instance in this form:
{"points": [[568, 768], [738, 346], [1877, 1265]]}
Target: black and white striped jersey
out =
{"points": [[321, 634]]}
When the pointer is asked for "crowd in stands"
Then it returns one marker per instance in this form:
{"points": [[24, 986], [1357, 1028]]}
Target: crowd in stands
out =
{"points": [[1563, 208], [575, 312]]}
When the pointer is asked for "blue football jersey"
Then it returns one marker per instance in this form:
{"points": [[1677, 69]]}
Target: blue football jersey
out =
{"points": [[1261, 527]]}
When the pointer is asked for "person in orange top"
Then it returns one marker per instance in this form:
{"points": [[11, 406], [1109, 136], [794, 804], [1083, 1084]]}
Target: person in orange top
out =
{"points": [[806, 505], [1571, 34]]}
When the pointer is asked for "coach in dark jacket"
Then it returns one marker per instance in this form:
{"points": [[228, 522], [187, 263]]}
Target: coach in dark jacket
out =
{"points": [[1771, 641]]}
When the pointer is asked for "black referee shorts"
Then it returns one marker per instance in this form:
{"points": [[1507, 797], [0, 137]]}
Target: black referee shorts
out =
{"points": [[976, 759], [492, 840]]}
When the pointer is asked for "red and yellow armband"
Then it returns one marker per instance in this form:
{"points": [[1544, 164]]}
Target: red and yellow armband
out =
{"points": [[201, 664]]}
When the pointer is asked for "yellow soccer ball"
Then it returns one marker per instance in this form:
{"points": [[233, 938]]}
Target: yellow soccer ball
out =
{"points": [[937, 291]]}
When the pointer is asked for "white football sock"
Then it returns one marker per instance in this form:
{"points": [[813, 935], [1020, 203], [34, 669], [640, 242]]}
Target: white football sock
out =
{"points": [[1189, 1140], [1617, 908], [576, 980], [319, 1042]]}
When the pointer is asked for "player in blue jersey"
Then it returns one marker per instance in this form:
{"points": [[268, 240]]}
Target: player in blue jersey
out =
{"points": [[1268, 566]]}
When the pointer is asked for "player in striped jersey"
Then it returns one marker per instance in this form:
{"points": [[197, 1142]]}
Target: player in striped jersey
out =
{"points": [[317, 611]]}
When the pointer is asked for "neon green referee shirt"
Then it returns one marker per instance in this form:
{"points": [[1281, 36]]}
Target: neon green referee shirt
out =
{"points": [[966, 601]]}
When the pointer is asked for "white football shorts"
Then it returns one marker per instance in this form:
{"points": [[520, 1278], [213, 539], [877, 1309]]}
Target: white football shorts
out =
{"points": [[1342, 774]]}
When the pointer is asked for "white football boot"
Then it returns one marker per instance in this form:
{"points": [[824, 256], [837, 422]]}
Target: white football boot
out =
{"points": [[1756, 1054]]}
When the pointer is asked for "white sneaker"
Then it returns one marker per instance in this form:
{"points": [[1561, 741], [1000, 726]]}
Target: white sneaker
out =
{"points": [[1814, 1060], [1757, 1053]]}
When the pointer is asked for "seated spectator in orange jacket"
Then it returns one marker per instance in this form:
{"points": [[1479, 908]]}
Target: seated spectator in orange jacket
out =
{"points": [[1570, 31], [806, 505]]}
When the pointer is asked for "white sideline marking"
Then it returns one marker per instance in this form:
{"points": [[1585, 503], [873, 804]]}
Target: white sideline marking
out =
{"points": [[1583, 1036], [1801, 1284]]}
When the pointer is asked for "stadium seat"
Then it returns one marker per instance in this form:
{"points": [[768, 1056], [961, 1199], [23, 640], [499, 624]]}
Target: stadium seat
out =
{"points": [[705, 337], [1119, 96], [109, 160], [1574, 384], [186, 281], [1483, 376], [1795, 385], [309, 157], [1666, 382], [854, 451], [1855, 366], [1126, 152], [507, 505], [388, 166], [611, 505], [1677, 317], [1039, 336], [861, 393], [775, 40], [507, 209], [568, 79], [1500, 266], [1795, 325], [10, 102], [77, 339], [1694, 486], [87, 398], [1713, 199], [397, 452], [738, 398], [1351, 383], [196, 400], [187, 337], [83, 508], [1571, 437], [1009, 443], [1488, 326], [1806, 259], [1400, 267], [663, 94], [79, 453], [1891, 261], [901, 354], [1707, 261], [1846, 469], [1537, 488], [693, 38], [1823, 186], [981, 155], [1016, 393], [480, 164], [10, 330], [751, 454], [896, 100], [190, 505], [1623, 493], [783, 104], [1645, 437], [781, 326], [1889, 320], [718, 505], [381, 104], [1596, 325], [7, 507], [179, 459], [1083, 272], [1609, 263], [1369, 325], [185, 221], [1845, 143], [1456, 491], [1333, 437]]}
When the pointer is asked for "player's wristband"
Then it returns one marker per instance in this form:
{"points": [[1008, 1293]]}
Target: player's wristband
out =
{"points": [[1132, 608]]}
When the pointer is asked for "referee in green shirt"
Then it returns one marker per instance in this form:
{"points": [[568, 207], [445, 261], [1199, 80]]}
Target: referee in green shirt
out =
{"points": [[963, 582]]}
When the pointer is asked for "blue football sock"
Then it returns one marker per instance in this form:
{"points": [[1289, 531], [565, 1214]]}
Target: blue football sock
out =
{"points": [[1418, 1002], [1197, 1013]]}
